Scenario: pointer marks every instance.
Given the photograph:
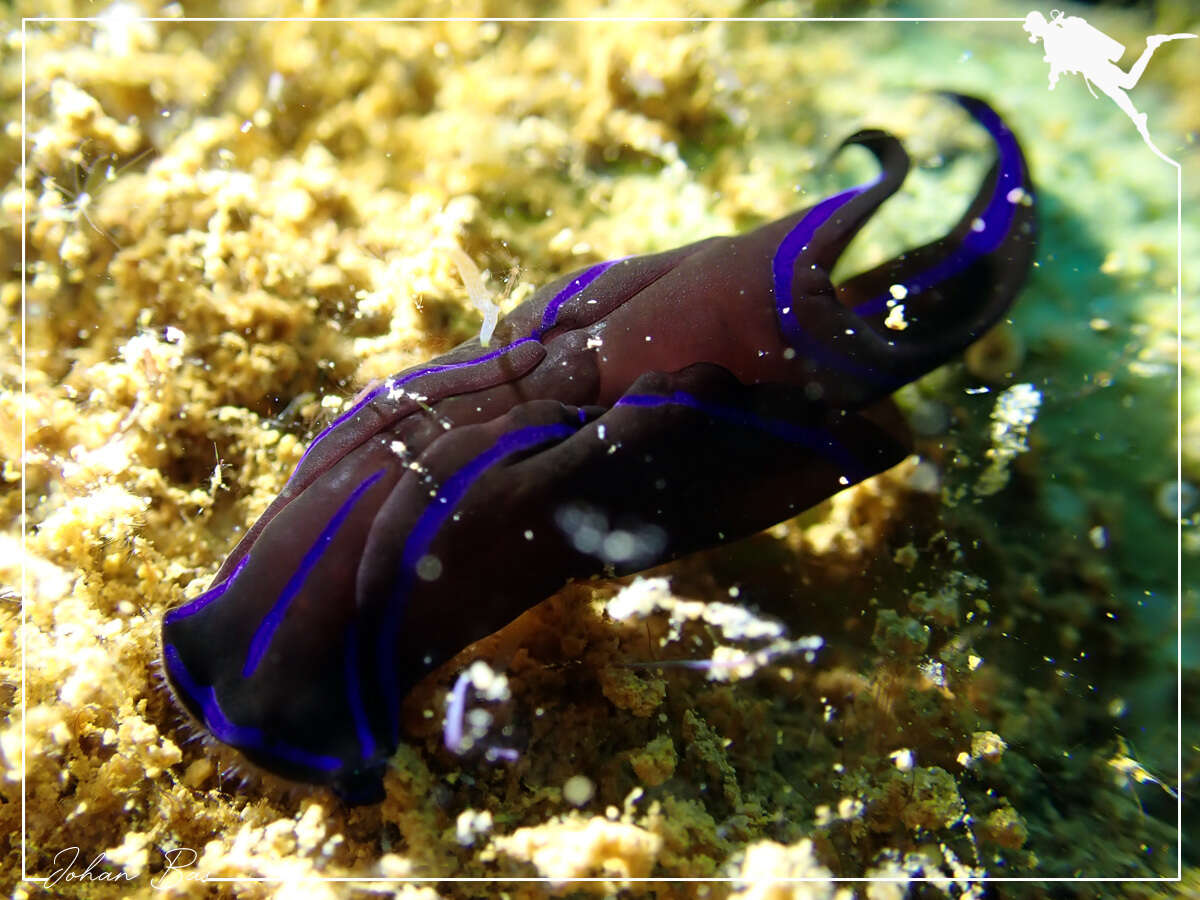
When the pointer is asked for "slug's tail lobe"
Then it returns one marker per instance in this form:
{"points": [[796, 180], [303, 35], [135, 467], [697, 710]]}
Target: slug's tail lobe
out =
{"points": [[931, 302], [864, 338], [838, 219]]}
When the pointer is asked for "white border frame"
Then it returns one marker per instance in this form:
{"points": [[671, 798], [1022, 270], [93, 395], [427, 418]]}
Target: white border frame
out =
{"points": [[1178, 877]]}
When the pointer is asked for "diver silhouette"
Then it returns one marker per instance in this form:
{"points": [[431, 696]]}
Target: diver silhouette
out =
{"points": [[1077, 48]]}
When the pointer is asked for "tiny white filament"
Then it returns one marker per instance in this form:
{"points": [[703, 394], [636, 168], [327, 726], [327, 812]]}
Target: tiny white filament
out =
{"points": [[476, 291]]}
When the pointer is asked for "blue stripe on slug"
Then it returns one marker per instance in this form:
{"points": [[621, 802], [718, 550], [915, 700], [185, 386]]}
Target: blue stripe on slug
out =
{"points": [[794, 243], [213, 593], [366, 740], [241, 736], [426, 529], [392, 384], [549, 318], [791, 248], [818, 439], [270, 622], [995, 221], [577, 285]]}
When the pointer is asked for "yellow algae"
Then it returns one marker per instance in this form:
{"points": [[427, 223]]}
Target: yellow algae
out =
{"points": [[655, 762], [988, 746], [707, 746], [1003, 826], [767, 863], [933, 802], [132, 855], [854, 519], [576, 847], [626, 689]]}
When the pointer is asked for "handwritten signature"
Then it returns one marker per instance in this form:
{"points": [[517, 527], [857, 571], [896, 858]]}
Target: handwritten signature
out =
{"points": [[66, 868]]}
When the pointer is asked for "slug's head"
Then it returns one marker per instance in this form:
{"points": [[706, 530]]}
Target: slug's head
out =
{"points": [[297, 728], [273, 659]]}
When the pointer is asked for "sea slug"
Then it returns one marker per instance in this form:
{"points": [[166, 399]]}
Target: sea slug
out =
{"points": [[625, 414]]}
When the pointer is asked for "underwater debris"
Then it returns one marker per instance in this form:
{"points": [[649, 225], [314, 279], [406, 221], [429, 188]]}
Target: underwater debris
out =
{"points": [[1176, 498], [463, 728], [767, 861], [470, 824], [733, 623], [1128, 770], [1015, 410], [578, 790], [996, 355], [579, 847]]}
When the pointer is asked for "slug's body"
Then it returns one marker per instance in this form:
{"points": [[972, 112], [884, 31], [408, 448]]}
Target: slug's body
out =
{"points": [[626, 414]]}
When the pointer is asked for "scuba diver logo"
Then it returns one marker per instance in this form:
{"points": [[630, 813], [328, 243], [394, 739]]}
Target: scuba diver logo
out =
{"points": [[1077, 48]]}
